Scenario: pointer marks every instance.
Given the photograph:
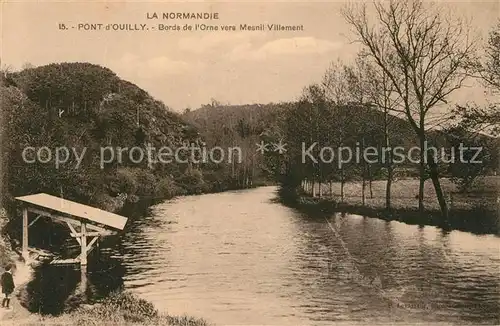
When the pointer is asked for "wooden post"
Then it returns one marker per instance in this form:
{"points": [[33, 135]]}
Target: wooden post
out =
{"points": [[83, 278], [25, 234], [498, 213], [83, 243], [450, 202]]}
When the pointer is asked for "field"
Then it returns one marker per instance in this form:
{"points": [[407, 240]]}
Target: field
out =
{"points": [[404, 192], [477, 210]]}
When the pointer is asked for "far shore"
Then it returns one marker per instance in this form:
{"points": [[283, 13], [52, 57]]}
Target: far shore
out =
{"points": [[476, 211]]}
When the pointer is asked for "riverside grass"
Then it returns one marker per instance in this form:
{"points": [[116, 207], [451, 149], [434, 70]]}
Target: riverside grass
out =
{"points": [[120, 308]]}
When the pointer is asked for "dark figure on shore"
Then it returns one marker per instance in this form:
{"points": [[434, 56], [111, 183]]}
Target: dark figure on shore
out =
{"points": [[7, 286]]}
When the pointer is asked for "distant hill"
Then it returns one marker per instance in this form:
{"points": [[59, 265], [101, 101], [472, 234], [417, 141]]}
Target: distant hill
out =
{"points": [[242, 126]]}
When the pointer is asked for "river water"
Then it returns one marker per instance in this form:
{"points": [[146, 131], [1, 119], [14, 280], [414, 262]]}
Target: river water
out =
{"points": [[241, 258]]}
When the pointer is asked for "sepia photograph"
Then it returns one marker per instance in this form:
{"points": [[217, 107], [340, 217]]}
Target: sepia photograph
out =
{"points": [[274, 163]]}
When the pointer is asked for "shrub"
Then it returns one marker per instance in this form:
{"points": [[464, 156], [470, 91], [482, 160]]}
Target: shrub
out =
{"points": [[167, 188], [126, 180], [193, 182], [146, 183], [119, 306]]}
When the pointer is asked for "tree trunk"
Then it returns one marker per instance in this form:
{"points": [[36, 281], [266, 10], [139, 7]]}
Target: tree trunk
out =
{"points": [[388, 160], [363, 176], [245, 178], [388, 187], [253, 174], [363, 196], [342, 184], [370, 179], [434, 173], [320, 181], [363, 188], [232, 165], [371, 188], [421, 207]]}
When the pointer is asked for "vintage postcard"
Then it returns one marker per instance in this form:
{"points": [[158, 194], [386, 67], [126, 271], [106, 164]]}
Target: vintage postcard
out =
{"points": [[250, 162]]}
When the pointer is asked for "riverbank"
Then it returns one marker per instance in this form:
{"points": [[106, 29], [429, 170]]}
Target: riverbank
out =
{"points": [[124, 202], [120, 308], [474, 211], [22, 273]]}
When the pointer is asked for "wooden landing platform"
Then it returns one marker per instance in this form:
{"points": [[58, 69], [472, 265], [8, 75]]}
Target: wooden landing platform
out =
{"points": [[86, 223], [60, 261]]}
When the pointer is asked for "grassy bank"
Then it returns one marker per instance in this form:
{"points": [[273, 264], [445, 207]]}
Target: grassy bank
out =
{"points": [[473, 211], [120, 308]]}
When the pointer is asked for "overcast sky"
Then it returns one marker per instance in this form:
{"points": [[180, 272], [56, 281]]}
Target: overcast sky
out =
{"points": [[186, 69]]}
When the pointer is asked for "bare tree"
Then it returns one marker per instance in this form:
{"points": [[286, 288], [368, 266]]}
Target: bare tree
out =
{"points": [[5, 69], [486, 119], [381, 94], [426, 56], [490, 69], [27, 65], [340, 90]]}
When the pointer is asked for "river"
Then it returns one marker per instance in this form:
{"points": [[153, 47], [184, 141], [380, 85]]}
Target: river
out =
{"points": [[241, 258]]}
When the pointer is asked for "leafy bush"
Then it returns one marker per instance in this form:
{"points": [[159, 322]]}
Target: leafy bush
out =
{"points": [[167, 188], [127, 180], [118, 306], [147, 183], [193, 182]]}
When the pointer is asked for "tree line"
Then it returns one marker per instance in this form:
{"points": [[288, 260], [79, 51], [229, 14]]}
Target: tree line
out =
{"points": [[414, 56]]}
